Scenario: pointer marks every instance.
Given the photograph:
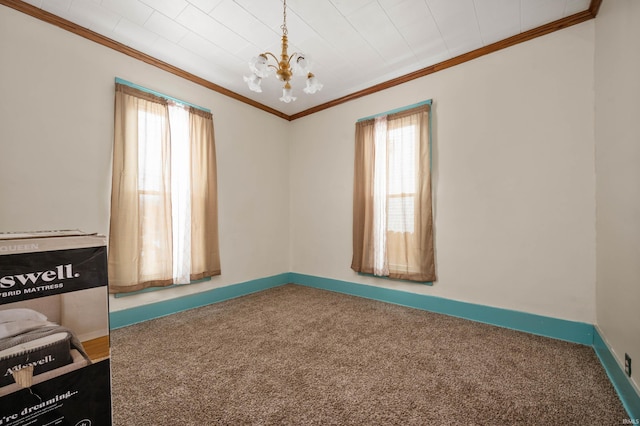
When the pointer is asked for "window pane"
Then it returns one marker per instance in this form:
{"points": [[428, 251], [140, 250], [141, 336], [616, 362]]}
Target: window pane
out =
{"points": [[400, 214], [150, 128], [401, 179], [402, 160]]}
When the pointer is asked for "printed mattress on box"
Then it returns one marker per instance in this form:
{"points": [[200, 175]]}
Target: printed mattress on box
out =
{"points": [[31, 346]]}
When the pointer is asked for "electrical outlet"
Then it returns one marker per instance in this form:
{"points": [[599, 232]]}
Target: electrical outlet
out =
{"points": [[627, 364]]}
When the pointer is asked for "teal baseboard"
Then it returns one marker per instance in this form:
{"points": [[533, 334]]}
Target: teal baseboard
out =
{"points": [[135, 315], [571, 331], [628, 395]]}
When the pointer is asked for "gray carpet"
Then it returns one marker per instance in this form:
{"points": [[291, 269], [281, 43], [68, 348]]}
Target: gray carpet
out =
{"points": [[294, 355]]}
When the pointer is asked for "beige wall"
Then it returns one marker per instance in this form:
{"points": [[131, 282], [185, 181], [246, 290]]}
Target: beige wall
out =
{"points": [[514, 161], [514, 183], [617, 130], [56, 136], [86, 313]]}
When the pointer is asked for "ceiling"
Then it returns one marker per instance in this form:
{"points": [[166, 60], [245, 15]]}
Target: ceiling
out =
{"points": [[354, 44]]}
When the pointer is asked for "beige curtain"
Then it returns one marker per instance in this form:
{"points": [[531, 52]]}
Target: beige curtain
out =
{"points": [[141, 230], [392, 187], [363, 242], [140, 246], [205, 252]]}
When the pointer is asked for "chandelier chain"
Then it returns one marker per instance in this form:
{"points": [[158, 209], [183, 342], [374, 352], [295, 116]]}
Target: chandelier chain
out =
{"points": [[283, 27]]}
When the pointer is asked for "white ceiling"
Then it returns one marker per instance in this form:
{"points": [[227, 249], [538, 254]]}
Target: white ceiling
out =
{"points": [[354, 44]]}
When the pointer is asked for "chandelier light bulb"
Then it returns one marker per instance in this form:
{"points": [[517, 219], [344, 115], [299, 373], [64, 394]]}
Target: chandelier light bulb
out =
{"points": [[259, 65], [287, 94], [254, 83], [302, 64], [313, 84]]}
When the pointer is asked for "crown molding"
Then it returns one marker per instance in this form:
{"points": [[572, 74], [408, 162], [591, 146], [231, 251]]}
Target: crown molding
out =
{"points": [[485, 50], [50, 18]]}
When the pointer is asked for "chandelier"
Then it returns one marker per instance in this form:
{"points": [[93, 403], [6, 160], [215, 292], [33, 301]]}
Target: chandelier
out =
{"points": [[285, 68]]}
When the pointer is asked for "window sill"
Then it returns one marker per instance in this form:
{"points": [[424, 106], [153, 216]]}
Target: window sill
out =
{"points": [[429, 283]]}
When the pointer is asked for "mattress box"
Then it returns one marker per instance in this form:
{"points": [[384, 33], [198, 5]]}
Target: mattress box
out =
{"points": [[38, 264], [44, 354]]}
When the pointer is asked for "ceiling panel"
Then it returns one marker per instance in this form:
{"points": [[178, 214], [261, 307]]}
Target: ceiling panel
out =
{"points": [[57, 7], [205, 5], [576, 6], [415, 23], [170, 8], [389, 44], [240, 21], [354, 44], [96, 17], [348, 7], [132, 10], [134, 35], [539, 12], [497, 19], [209, 28], [458, 24], [165, 27]]}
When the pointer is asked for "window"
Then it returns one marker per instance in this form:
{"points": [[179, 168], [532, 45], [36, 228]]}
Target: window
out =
{"points": [[392, 222], [402, 178], [164, 227]]}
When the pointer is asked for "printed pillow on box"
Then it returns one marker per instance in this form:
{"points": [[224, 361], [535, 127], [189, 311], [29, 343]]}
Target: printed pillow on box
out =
{"points": [[19, 314], [15, 328]]}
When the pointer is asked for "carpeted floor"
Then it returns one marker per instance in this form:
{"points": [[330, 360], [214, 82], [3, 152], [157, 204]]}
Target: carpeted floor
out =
{"points": [[294, 355]]}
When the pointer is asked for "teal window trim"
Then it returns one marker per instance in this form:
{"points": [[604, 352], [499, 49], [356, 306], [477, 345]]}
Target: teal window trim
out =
{"points": [[404, 108], [384, 277], [162, 95]]}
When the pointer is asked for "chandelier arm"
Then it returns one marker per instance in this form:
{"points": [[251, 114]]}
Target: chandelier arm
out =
{"points": [[293, 55], [272, 55]]}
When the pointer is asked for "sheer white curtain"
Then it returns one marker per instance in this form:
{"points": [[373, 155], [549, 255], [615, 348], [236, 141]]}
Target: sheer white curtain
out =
{"points": [[180, 190], [381, 264]]}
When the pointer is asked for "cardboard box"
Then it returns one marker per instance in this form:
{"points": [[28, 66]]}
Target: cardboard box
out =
{"points": [[54, 329]]}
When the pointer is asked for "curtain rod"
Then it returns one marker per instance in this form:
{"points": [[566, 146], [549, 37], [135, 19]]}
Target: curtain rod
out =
{"points": [[393, 111], [162, 95]]}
